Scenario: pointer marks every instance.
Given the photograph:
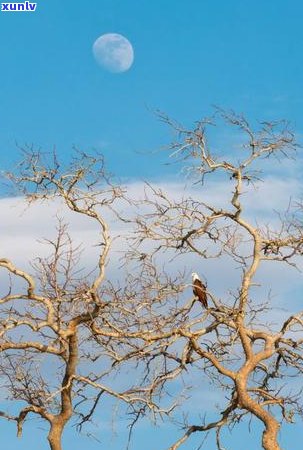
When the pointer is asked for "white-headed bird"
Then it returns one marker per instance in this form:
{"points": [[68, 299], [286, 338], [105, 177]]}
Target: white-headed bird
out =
{"points": [[199, 289]]}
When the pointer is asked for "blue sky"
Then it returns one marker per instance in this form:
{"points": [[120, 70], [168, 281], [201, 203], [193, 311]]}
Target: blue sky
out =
{"points": [[244, 55], [189, 55]]}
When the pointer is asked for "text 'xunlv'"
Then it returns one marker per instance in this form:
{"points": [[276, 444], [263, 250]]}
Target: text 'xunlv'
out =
{"points": [[19, 7]]}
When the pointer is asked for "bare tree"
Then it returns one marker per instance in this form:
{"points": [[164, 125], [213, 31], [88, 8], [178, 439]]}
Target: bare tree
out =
{"points": [[49, 360], [149, 325], [231, 343]]}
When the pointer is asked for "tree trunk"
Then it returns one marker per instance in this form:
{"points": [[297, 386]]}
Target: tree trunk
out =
{"points": [[270, 436], [55, 436], [272, 426]]}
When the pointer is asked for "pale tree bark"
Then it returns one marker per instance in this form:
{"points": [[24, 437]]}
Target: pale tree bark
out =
{"points": [[228, 342], [53, 308], [149, 322]]}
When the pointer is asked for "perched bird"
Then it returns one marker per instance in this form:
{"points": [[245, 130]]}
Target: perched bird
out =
{"points": [[199, 289]]}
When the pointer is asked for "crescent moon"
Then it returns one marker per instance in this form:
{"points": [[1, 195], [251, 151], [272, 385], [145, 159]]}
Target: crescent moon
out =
{"points": [[113, 52]]}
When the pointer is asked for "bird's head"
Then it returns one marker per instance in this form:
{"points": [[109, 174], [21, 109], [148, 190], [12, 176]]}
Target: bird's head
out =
{"points": [[195, 276]]}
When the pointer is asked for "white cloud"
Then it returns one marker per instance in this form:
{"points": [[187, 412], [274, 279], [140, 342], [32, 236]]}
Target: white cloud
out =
{"points": [[22, 230]]}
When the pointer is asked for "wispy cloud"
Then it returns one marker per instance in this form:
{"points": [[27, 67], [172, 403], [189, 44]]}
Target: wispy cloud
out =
{"points": [[23, 229]]}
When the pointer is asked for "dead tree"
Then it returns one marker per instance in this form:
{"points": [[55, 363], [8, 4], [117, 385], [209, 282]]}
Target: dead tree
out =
{"points": [[231, 343], [150, 321], [49, 360]]}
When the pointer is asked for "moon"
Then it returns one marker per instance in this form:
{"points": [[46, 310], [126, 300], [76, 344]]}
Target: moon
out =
{"points": [[113, 52]]}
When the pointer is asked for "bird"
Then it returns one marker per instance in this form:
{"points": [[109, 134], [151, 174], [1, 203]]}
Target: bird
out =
{"points": [[199, 289]]}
